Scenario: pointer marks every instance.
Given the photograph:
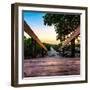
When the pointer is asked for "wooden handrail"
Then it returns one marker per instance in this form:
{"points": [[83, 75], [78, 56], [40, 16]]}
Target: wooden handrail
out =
{"points": [[73, 35], [30, 32]]}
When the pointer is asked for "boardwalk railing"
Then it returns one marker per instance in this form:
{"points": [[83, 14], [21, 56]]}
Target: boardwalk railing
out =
{"points": [[30, 32], [34, 40], [73, 35]]}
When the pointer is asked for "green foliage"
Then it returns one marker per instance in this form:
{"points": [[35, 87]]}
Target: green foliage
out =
{"points": [[28, 48], [63, 23], [50, 45]]}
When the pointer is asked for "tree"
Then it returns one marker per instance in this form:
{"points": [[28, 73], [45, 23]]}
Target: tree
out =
{"points": [[64, 24], [27, 47]]}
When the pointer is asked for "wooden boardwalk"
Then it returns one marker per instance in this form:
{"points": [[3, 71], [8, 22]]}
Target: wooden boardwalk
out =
{"points": [[51, 66]]}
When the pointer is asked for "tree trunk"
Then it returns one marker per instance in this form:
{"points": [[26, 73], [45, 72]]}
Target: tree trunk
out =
{"points": [[73, 48], [64, 47]]}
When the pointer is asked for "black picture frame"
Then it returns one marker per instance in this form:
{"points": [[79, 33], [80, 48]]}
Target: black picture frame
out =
{"points": [[15, 41]]}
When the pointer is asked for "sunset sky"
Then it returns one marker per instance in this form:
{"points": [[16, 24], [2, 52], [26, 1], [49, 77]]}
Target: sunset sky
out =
{"points": [[46, 34]]}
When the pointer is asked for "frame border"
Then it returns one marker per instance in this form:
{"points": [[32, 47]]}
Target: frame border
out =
{"points": [[14, 44]]}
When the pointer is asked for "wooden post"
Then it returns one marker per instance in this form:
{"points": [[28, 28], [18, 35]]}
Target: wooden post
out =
{"points": [[63, 50], [42, 52], [73, 48]]}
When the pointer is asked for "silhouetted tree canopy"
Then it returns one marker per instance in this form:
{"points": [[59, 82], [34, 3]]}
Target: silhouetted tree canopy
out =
{"points": [[63, 23]]}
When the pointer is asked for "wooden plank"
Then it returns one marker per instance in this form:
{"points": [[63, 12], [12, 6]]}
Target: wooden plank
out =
{"points": [[51, 66], [30, 32], [73, 35]]}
